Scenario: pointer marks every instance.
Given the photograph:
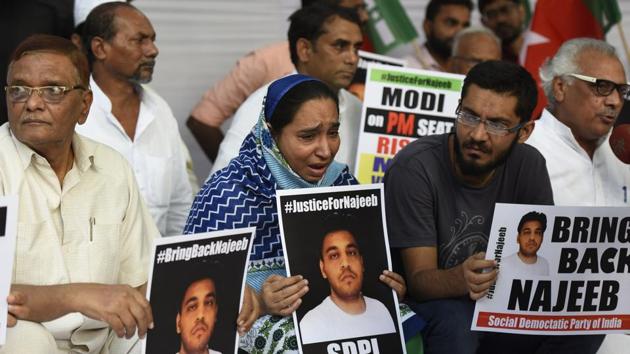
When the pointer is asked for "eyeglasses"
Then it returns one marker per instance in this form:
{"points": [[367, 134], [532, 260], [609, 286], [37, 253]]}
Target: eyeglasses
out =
{"points": [[605, 87], [493, 14], [494, 128], [50, 94]]}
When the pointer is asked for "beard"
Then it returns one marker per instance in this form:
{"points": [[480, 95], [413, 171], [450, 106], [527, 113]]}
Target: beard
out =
{"points": [[140, 76], [471, 168], [442, 47], [527, 253], [348, 292], [507, 32]]}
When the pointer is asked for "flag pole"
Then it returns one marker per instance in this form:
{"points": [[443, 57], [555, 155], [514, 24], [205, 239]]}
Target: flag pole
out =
{"points": [[623, 40]]}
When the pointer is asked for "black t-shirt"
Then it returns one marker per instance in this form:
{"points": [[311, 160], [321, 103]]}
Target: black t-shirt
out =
{"points": [[427, 206]]}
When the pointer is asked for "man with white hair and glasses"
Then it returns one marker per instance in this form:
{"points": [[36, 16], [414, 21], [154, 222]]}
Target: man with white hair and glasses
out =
{"points": [[586, 86]]}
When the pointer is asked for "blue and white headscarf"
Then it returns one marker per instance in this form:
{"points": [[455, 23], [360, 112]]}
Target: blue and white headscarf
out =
{"points": [[243, 193]]}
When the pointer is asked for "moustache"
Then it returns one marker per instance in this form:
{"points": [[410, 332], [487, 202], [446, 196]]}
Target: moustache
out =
{"points": [[200, 325], [475, 145], [346, 272], [148, 63], [609, 111]]}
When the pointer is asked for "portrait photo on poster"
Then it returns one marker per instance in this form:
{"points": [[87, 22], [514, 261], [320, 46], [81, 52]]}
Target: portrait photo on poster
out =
{"points": [[563, 271], [335, 238], [196, 292]]}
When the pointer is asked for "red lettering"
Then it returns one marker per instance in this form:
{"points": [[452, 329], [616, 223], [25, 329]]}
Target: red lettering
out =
{"points": [[390, 145], [382, 146], [403, 123]]}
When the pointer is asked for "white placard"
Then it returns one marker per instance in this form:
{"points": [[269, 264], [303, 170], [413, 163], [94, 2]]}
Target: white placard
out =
{"points": [[400, 105], [572, 280], [8, 234]]}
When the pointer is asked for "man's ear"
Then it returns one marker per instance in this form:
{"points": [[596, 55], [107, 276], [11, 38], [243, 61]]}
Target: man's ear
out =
{"points": [[98, 45], [86, 102], [321, 269], [525, 131], [304, 50], [559, 88], [426, 27], [177, 328]]}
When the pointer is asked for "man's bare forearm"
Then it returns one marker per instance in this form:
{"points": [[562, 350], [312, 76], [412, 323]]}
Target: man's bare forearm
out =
{"points": [[208, 137], [433, 284], [46, 302]]}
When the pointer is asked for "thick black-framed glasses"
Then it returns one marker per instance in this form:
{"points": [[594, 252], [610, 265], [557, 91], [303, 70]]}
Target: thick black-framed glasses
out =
{"points": [[494, 128], [50, 94], [605, 87]]}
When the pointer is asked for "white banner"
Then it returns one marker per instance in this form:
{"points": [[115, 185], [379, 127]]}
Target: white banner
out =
{"points": [[570, 277]]}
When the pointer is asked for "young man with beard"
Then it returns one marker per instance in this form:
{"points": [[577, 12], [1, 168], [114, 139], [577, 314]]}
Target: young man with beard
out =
{"points": [[197, 317], [526, 261], [443, 20], [440, 196], [346, 313], [506, 18]]}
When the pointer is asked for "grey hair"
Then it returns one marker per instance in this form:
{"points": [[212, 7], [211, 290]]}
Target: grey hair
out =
{"points": [[470, 31], [565, 62]]}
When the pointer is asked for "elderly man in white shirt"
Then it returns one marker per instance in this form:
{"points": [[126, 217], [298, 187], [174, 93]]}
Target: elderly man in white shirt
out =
{"points": [[132, 118], [324, 43], [84, 235], [585, 85]]}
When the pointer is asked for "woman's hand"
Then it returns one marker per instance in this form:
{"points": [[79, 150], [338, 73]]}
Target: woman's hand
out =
{"points": [[394, 281], [282, 295]]}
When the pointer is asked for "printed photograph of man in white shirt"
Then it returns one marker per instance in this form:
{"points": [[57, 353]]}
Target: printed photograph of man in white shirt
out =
{"points": [[527, 261]]}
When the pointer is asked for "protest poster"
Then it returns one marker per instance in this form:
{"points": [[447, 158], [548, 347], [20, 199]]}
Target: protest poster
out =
{"points": [[357, 86], [401, 105], [562, 271], [8, 234], [196, 290], [336, 238]]}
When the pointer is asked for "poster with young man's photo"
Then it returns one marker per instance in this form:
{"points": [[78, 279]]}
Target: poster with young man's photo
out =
{"points": [[335, 237], [196, 291], [8, 233], [563, 271]]}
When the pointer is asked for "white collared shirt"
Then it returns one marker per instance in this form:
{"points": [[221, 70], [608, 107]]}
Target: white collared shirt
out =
{"points": [[248, 113], [155, 154], [422, 59], [575, 178], [93, 228]]}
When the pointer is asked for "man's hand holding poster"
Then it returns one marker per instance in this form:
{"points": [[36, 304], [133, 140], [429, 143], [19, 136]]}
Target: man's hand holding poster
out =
{"points": [[562, 270], [196, 290], [336, 238], [400, 105], [8, 232]]}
